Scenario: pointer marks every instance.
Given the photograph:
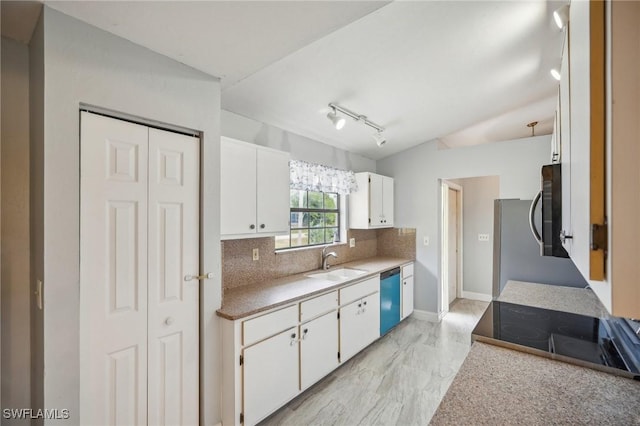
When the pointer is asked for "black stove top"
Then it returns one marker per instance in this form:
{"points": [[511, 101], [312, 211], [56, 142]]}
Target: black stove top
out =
{"points": [[562, 335]]}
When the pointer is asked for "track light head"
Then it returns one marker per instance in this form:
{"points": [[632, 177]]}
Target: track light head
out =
{"points": [[561, 16], [555, 73], [380, 140], [338, 122]]}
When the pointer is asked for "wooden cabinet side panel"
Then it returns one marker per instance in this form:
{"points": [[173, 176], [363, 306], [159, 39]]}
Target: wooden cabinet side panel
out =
{"points": [[625, 158], [597, 131]]}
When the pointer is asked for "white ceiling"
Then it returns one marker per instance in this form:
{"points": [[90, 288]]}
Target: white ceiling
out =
{"points": [[462, 72]]}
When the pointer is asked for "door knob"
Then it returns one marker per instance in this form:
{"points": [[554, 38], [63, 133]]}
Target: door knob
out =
{"points": [[168, 321]]}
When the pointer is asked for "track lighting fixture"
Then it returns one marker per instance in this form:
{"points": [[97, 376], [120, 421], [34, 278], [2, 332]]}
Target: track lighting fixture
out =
{"points": [[339, 122], [561, 16], [555, 73], [380, 140]]}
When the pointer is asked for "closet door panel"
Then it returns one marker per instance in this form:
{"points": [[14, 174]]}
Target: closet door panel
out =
{"points": [[173, 254], [113, 271]]}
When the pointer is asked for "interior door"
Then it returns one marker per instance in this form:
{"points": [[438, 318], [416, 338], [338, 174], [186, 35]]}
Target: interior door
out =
{"points": [[138, 236], [453, 244], [172, 302]]}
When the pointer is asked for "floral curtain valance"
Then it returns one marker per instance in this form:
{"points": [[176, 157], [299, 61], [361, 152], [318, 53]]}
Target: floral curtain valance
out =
{"points": [[316, 177]]}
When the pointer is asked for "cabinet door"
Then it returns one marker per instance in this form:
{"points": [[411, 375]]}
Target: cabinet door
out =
{"points": [[351, 339], [376, 203], [370, 319], [407, 296], [273, 191], [237, 188], [318, 348], [387, 196], [359, 325], [270, 375]]}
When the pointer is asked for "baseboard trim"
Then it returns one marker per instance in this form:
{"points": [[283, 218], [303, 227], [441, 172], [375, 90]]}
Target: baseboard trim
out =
{"points": [[427, 316], [476, 296]]}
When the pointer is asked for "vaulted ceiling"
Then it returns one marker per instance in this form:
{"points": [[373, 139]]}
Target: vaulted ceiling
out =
{"points": [[461, 72]]}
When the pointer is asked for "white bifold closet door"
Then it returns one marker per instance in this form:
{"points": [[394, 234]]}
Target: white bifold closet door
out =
{"points": [[139, 237]]}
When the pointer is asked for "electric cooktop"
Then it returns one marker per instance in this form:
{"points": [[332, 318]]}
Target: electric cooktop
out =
{"points": [[604, 344]]}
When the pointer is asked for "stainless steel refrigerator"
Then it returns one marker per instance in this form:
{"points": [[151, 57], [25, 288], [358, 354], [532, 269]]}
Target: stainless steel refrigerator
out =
{"points": [[516, 253]]}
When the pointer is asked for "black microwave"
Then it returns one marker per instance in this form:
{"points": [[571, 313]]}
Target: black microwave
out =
{"points": [[551, 197]]}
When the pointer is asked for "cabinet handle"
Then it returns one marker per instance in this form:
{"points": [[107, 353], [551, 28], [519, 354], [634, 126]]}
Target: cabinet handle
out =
{"points": [[262, 226], [304, 333], [365, 303], [252, 226], [293, 339], [404, 283]]}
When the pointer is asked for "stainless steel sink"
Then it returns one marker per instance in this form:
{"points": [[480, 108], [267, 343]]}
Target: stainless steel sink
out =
{"points": [[341, 274]]}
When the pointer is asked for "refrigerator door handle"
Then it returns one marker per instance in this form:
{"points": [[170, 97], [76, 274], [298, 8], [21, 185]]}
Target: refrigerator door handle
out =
{"points": [[532, 211]]}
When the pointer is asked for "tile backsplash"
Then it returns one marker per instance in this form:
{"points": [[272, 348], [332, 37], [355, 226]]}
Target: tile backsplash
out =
{"points": [[239, 268]]}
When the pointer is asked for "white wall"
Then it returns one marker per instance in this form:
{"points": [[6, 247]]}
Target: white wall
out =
{"points": [[417, 202], [88, 65], [301, 148], [477, 218], [16, 296]]}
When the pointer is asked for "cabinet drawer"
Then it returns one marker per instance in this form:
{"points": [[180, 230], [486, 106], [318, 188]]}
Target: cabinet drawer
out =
{"points": [[267, 325], [359, 290], [318, 305], [407, 270]]}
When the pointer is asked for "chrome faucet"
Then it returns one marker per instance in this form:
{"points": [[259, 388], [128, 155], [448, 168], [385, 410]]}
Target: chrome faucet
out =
{"points": [[325, 257]]}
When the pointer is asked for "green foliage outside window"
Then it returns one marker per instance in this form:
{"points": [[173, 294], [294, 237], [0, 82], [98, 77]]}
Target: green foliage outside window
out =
{"points": [[315, 219]]}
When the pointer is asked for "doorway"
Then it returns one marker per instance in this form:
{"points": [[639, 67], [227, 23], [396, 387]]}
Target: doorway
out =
{"points": [[451, 244]]}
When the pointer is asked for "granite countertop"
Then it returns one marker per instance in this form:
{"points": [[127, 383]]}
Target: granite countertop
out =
{"points": [[247, 300], [496, 385]]}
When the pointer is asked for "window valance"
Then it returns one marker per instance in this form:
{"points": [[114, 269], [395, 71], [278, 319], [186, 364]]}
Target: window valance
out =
{"points": [[317, 177]]}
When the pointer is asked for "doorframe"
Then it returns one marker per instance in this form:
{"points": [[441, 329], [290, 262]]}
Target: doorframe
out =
{"points": [[445, 185]]}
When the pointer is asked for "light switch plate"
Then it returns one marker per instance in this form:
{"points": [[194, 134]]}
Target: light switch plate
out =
{"points": [[426, 241], [483, 237], [256, 254], [352, 242]]}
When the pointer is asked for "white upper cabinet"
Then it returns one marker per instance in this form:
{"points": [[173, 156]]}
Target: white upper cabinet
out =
{"points": [[372, 205], [254, 192]]}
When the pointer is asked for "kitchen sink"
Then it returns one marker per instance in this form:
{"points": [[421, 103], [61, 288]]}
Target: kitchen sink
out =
{"points": [[341, 274]]}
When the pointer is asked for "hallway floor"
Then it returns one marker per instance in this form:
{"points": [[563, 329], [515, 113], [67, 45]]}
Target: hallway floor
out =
{"points": [[398, 380]]}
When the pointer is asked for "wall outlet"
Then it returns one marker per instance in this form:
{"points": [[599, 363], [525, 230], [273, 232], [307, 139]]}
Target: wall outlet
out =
{"points": [[256, 254], [483, 237], [352, 242], [425, 241]]}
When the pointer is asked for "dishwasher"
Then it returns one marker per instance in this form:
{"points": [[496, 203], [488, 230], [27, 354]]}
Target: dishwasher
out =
{"points": [[389, 300]]}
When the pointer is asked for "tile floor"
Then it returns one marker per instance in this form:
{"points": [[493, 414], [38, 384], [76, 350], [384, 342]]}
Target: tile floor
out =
{"points": [[398, 380]]}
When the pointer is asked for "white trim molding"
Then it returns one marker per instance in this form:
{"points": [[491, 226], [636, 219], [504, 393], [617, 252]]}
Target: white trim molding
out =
{"points": [[476, 296]]}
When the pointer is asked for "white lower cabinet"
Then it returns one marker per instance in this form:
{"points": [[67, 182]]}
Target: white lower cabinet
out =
{"points": [[318, 348], [407, 291], [359, 325], [269, 359], [270, 376]]}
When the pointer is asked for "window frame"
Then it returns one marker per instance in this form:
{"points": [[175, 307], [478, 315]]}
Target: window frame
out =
{"points": [[338, 211]]}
